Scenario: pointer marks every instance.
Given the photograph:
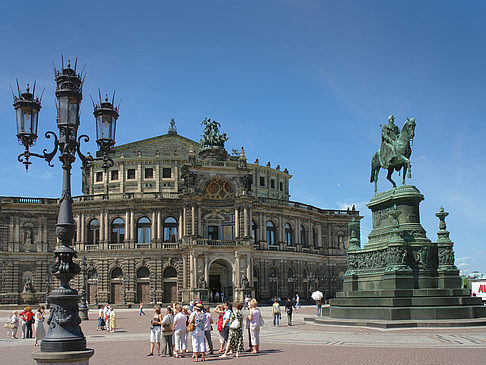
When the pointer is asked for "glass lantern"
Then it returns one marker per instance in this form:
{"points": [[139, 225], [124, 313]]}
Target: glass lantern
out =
{"points": [[27, 113], [106, 116]]}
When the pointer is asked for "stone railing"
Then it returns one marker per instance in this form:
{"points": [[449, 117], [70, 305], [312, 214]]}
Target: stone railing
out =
{"points": [[307, 207], [170, 245], [91, 247], [203, 241], [143, 245], [26, 200], [116, 246], [124, 196]]}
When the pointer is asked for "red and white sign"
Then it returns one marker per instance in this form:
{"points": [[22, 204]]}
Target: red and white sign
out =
{"points": [[479, 288]]}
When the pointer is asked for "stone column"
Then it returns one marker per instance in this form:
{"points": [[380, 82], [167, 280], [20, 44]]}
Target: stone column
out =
{"points": [[107, 228], [206, 268], [153, 229], [194, 272], [184, 272], [237, 226], [78, 228], [245, 221], [159, 227], [127, 226], [181, 225], [133, 233], [199, 233], [102, 227], [249, 269], [191, 270], [237, 270], [319, 235], [183, 220], [83, 228], [193, 220]]}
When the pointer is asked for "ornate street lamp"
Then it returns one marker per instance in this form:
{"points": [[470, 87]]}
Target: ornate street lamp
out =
{"points": [[64, 333], [83, 306]]}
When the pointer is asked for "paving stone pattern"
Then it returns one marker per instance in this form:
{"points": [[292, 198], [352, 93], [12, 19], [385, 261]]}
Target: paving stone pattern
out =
{"points": [[303, 343]]}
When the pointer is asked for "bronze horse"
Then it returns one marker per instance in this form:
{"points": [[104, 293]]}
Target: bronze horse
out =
{"points": [[401, 157]]}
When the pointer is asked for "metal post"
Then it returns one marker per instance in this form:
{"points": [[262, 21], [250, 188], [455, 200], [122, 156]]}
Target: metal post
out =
{"points": [[83, 306]]}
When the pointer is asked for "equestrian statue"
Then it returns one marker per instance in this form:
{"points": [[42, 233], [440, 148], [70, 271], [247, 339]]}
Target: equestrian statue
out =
{"points": [[395, 151]]}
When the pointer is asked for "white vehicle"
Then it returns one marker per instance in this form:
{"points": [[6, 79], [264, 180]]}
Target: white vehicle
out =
{"points": [[479, 288]]}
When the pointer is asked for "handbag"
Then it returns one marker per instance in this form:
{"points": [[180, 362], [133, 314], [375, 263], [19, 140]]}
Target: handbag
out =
{"points": [[9, 325], [167, 327], [190, 327], [235, 324]]}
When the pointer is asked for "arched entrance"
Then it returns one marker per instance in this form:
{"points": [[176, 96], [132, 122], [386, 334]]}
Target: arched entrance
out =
{"points": [[221, 280]]}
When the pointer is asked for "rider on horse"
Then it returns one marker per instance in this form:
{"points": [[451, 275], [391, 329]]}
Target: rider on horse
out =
{"points": [[389, 136]]}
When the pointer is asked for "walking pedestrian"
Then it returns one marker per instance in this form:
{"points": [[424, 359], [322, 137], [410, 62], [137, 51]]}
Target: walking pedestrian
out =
{"points": [[318, 308], [141, 309], [101, 319], [297, 301], [289, 306]]}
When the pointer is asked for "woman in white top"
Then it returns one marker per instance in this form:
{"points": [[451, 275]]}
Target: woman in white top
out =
{"points": [[255, 318], [15, 320], [39, 329], [180, 330]]}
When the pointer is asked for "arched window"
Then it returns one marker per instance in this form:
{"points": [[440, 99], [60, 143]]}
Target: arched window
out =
{"points": [[170, 272], [290, 274], [170, 229], [303, 238], [143, 230], [288, 234], [272, 273], [93, 231], [270, 233], [143, 273], [254, 231], [117, 231], [304, 275], [117, 273]]}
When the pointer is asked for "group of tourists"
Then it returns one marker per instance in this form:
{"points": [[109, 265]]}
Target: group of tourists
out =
{"points": [[106, 318], [31, 324], [177, 323]]}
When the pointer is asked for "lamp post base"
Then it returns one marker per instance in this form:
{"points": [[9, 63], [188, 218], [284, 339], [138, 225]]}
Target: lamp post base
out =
{"points": [[67, 357]]}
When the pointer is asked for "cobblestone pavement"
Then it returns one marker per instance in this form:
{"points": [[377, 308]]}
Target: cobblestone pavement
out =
{"points": [[303, 343]]}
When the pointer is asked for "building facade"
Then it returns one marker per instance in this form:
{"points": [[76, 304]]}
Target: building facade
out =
{"points": [[173, 220]]}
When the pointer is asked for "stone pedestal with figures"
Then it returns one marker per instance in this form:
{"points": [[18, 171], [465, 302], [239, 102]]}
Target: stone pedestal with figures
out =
{"points": [[400, 274]]}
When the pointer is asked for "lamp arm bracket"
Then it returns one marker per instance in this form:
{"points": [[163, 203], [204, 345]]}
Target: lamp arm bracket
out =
{"points": [[86, 159], [49, 156]]}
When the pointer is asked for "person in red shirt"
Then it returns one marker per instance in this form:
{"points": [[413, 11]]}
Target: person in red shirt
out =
{"points": [[27, 319]]}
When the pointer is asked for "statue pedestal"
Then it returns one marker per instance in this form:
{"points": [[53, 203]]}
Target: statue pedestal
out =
{"points": [[400, 274], [68, 358], [28, 298]]}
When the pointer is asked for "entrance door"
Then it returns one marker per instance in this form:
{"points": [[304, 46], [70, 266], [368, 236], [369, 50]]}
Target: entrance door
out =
{"points": [[91, 293], [143, 292], [220, 279], [116, 293], [170, 292]]}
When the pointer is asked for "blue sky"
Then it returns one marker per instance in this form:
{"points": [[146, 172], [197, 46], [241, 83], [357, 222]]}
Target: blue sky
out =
{"points": [[303, 84]]}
